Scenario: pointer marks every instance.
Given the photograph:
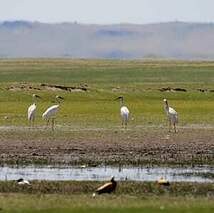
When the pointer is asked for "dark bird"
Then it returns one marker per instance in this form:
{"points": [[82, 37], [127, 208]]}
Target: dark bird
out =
{"points": [[107, 187], [22, 181]]}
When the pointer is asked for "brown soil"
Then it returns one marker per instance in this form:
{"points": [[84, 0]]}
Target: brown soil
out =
{"points": [[98, 146], [47, 87]]}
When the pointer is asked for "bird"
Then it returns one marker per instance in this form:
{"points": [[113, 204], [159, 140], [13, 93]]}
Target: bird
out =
{"points": [[124, 111], [172, 115], [51, 112], [107, 187], [31, 113], [22, 181], [163, 181]]}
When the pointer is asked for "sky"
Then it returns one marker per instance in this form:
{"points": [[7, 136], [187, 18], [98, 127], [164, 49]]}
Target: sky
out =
{"points": [[107, 11]]}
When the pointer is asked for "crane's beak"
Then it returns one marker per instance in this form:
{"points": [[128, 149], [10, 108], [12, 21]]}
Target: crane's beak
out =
{"points": [[118, 98], [60, 97], [37, 96]]}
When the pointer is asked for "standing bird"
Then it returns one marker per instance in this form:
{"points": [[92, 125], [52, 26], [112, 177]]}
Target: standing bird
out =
{"points": [[124, 111], [107, 187], [31, 113], [51, 112], [171, 114]]}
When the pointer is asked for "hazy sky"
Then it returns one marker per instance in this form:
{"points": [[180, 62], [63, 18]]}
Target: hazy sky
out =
{"points": [[108, 11]]}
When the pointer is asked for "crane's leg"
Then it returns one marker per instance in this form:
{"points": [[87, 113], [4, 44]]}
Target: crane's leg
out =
{"points": [[126, 122], [52, 125], [170, 125], [122, 122], [33, 122], [47, 123], [30, 124], [174, 127]]}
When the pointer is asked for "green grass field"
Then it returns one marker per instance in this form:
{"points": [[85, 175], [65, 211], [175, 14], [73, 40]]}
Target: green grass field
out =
{"points": [[71, 196], [108, 203], [138, 81]]}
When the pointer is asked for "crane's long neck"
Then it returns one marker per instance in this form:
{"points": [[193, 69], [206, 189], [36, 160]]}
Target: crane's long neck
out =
{"points": [[121, 102], [34, 99], [57, 101], [166, 107]]}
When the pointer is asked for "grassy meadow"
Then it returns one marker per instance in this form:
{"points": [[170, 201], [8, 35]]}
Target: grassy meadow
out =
{"points": [[138, 81], [12, 203], [74, 196]]}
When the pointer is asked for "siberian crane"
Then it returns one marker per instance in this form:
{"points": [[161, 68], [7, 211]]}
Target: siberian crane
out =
{"points": [[51, 112]]}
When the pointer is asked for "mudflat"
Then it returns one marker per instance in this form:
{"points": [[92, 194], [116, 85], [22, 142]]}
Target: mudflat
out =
{"points": [[137, 146]]}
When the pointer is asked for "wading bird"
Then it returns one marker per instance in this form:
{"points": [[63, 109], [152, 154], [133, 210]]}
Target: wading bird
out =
{"points": [[172, 115], [51, 112], [31, 113], [22, 181], [124, 111], [107, 187]]}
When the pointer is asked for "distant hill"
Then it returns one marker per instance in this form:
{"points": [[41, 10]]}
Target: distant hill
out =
{"points": [[176, 40]]}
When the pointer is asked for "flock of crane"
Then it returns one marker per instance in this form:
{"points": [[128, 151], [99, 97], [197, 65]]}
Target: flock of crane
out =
{"points": [[51, 112]]}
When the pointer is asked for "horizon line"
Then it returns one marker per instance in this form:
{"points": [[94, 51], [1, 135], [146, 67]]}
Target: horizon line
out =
{"points": [[118, 23]]}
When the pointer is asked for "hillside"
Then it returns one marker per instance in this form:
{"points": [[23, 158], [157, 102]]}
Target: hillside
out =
{"points": [[176, 40]]}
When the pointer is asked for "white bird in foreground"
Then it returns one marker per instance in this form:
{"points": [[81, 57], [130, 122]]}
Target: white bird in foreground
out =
{"points": [[22, 181], [31, 113], [124, 111], [51, 112], [171, 114]]}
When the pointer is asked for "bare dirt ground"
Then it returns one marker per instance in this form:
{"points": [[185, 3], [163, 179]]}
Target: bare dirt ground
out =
{"points": [[139, 146]]}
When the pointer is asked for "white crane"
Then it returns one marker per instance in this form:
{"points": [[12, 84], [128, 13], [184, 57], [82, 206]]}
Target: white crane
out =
{"points": [[51, 112], [172, 115], [31, 113], [124, 111]]}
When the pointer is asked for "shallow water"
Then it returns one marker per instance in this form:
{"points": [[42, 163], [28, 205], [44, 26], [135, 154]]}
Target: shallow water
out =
{"points": [[105, 172]]}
